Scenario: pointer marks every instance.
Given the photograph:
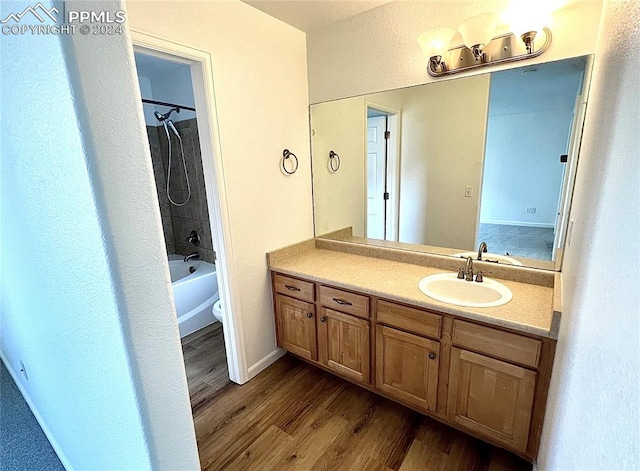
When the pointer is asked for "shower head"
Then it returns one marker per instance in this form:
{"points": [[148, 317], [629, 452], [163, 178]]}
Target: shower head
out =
{"points": [[161, 117]]}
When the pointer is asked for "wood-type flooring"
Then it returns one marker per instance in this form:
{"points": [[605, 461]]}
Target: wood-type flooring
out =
{"points": [[293, 416]]}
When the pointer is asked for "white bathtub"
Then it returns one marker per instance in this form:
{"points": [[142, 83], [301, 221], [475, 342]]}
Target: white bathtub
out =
{"points": [[194, 293]]}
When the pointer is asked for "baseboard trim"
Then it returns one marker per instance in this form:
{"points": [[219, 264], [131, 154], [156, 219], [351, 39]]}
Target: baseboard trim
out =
{"points": [[265, 362], [34, 410], [518, 223]]}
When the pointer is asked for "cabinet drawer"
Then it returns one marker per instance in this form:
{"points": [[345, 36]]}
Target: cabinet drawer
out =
{"points": [[496, 343], [295, 288], [345, 301], [410, 319]]}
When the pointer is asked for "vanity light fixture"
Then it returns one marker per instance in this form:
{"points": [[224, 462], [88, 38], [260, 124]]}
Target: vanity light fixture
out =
{"points": [[480, 47]]}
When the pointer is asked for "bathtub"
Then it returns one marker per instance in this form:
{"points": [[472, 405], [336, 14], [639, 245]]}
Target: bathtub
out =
{"points": [[193, 293]]}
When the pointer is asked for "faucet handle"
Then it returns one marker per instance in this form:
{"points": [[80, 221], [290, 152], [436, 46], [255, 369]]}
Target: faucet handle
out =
{"points": [[193, 238], [480, 277], [460, 271]]}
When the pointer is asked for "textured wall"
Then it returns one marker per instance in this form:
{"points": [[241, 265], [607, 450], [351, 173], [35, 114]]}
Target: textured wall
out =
{"points": [[120, 170], [70, 273], [594, 400], [378, 49]]}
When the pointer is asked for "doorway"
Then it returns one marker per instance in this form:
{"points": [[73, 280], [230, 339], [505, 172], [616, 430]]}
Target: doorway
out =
{"points": [[208, 181], [172, 128]]}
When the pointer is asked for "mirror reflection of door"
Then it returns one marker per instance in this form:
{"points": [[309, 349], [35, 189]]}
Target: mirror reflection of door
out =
{"points": [[382, 172], [376, 174]]}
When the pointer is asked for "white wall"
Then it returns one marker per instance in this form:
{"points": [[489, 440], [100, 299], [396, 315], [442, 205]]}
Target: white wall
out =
{"points": [[522, 168], [378, 49], [339, 197], [260, 79], [84, 305], [593, 414], [530, 117]]}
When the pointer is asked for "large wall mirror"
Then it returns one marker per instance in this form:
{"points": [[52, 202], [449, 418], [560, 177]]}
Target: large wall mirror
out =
{"points": [[445, 166]]}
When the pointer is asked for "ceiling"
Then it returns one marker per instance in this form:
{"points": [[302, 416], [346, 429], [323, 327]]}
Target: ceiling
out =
{"points": [[309, 15]]}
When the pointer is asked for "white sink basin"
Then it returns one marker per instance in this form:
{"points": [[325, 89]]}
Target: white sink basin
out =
{"points": [[489, 257], [448, 288]]}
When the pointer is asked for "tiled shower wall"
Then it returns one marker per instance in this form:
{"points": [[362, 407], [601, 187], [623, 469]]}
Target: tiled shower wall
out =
{"points": [[179, 221]]}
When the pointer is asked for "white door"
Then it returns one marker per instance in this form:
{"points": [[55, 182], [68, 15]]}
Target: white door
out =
{"points": [[575, 138], [376, 174]]}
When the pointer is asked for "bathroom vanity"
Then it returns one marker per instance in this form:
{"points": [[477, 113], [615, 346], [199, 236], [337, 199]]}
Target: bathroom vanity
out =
{"points": [[357, 312]]}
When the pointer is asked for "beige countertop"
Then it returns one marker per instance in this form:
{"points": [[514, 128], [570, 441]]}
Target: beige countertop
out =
{"points": [[531, 310]]}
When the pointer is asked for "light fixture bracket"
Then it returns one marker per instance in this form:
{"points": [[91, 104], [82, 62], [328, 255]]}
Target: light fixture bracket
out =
{"points": [[500, 50]]}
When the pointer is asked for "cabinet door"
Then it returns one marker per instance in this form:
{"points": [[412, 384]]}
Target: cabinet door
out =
{"points": [[407, 367], [296, 326], [491, 397], [344, 344]]}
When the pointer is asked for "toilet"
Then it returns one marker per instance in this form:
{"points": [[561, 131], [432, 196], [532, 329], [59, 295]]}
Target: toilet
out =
{"points": [[217, 310]]}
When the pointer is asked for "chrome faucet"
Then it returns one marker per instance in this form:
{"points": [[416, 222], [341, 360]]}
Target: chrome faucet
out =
{"points": [[482, 249], [191, 255], [468, 269]]}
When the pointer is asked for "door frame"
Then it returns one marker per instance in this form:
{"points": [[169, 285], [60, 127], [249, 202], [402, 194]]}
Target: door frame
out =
{"points": [[200, 63], [393, 167]]}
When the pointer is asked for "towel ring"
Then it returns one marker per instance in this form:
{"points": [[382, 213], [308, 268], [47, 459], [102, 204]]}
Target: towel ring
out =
{"points": [[285, 156], [334, 161]]}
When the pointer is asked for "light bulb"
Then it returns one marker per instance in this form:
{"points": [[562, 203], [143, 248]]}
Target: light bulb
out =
{"points": [[527, 19], [435, 42], [478, 31]]}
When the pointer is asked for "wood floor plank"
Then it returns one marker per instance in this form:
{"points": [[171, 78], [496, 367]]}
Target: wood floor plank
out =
{"points": [[423, 457], [295, 417], [313, 437], [265, 453]]}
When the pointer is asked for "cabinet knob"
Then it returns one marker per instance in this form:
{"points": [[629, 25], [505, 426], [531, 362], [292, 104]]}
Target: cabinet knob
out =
{"points": [[292, 288], [309, 315], [432, 356], [323, 319]]}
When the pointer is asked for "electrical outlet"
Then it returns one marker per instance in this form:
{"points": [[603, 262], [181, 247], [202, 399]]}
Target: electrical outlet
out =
{"points": [[531, 210], [23, 369], [468, 191]]}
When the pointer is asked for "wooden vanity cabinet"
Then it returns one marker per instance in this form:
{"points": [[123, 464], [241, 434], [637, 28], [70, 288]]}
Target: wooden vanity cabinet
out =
{"points": [[489, 381]]}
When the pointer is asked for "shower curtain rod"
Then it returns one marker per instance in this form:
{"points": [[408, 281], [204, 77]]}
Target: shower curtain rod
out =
{"points": [[163, 103]]}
